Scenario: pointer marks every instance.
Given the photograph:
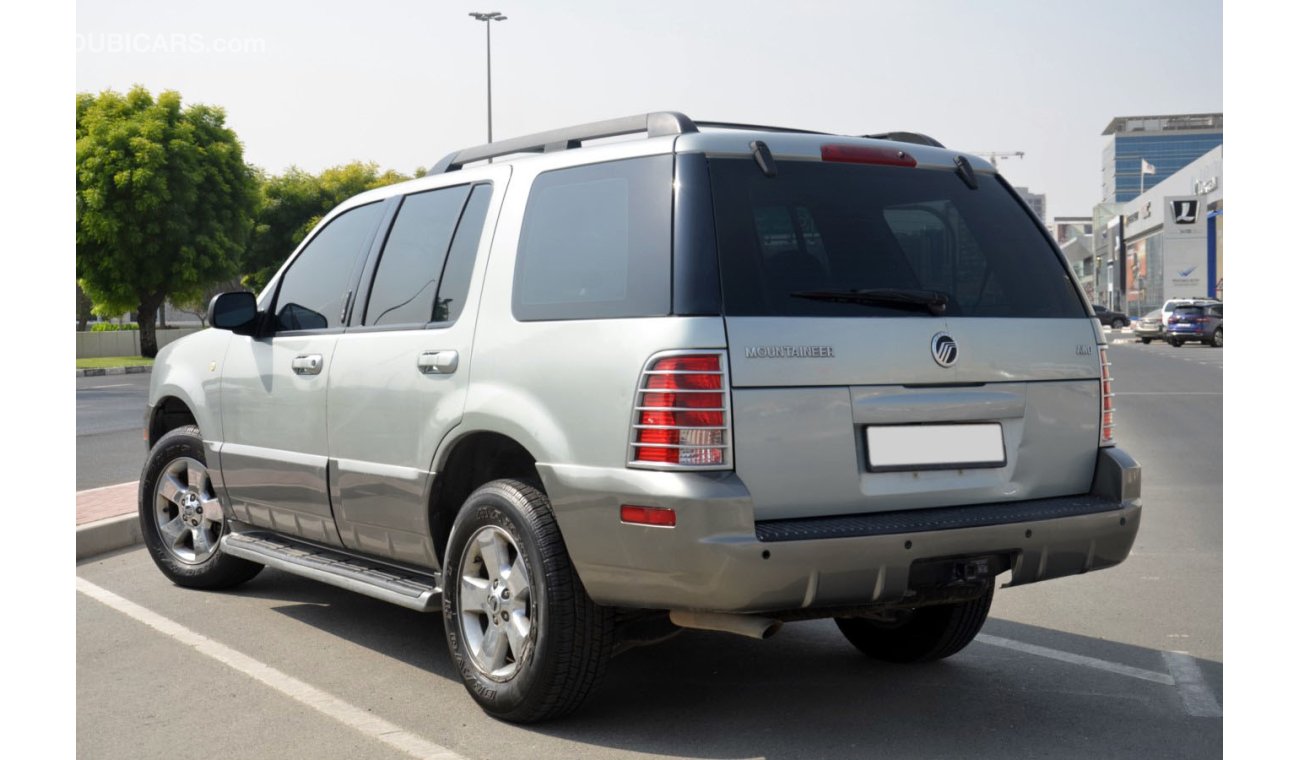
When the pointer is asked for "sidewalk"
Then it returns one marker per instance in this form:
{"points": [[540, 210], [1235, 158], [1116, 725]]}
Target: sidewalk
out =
{"points": [[107, 519]]}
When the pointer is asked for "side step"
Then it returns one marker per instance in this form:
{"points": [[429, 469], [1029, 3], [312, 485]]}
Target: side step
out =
{"points": [[412, 590]]}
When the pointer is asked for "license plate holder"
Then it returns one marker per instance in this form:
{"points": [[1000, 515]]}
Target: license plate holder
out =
{"points": [[961, 446]]}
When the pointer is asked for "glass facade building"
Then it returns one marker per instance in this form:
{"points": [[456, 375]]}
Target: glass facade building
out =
{"points": [[1167, 143]]}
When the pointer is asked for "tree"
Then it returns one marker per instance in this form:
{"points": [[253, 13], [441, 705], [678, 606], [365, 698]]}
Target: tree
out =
{"points": [[84, 313], [291, 204], [164, 201]]}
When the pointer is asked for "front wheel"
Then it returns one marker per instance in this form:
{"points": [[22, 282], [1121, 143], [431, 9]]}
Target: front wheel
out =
{"points": [[181, 516], [923, 634], [1217, 340], [1117, 324], [528, 641]]}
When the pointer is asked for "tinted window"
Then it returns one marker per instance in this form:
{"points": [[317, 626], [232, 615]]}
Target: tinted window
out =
{"points": [[460, 261], [833, 227], [596, 242], [314, 290], [1188, 311], [411, 263]]}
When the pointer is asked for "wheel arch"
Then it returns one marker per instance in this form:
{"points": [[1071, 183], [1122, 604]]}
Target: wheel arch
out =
{"points": [[465, 463]]}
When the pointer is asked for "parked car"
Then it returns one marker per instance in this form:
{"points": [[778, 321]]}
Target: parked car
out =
{"points": [[1149, 327], [584, 397], [1200, 322], [1111, 319], [1168, 309]]}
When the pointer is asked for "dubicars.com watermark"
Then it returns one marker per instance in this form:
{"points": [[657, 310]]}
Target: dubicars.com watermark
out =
{"points": [[175, 43]]}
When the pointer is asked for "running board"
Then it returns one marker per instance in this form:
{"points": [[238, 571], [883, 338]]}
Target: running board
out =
{"points": [[406, 589]]}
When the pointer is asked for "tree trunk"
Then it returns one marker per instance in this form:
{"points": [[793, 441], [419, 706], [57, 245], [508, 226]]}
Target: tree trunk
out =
{"points": [[84, 305], [148, 315]]}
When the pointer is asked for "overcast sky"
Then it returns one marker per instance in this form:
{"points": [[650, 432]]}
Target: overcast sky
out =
{"points": [[403, 83]]}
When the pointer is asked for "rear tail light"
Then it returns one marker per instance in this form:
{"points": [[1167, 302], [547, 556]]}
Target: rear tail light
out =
{"points": [[681, 418], [1107, 401], [867, 154]]}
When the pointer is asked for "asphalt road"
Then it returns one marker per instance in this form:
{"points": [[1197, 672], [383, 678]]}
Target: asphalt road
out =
{"points": [[110, 426], [1082, 667]]}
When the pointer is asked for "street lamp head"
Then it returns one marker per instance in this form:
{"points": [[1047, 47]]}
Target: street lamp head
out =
{"points": [[489, 16]]}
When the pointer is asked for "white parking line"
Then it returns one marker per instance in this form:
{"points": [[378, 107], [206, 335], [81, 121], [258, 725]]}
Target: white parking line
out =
{"points": [[1077, 659], [1198, 700], [322, 702], [105, 488]]}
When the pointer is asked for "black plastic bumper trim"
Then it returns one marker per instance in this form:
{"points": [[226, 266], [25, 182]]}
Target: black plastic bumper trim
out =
{"points": [[939, 518]]}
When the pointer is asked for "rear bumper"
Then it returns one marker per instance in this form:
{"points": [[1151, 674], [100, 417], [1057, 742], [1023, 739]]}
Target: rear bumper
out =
{"points": [[715, 560]]}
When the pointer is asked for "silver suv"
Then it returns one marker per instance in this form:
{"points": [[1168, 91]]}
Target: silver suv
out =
{"points": [[713, 376]]}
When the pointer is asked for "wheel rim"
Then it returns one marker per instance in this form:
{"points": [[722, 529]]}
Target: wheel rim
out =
{"points": [[187, 511], [495, 604], [1218, 338]]}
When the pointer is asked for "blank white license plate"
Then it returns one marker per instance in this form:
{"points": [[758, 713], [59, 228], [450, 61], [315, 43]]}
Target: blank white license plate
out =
{"points": [[934, 447]]}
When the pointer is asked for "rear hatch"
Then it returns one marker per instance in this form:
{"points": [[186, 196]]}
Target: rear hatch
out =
{"points": [[898, 339]]}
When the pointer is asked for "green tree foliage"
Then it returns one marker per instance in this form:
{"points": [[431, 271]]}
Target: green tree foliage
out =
{"points": [[292, 203], [164, 201]]}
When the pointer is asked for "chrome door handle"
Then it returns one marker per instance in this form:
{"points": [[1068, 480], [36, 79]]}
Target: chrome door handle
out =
{"points": [[438, 362], [307, 364]]}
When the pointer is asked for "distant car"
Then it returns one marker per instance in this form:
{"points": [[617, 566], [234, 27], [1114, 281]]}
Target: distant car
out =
{"points": [[1203, 322], [1110, 318], [1150, 327], [1172, 303]]}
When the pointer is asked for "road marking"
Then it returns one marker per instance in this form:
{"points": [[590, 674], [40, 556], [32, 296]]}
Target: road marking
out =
{"points": [[1077, 659], [105, 488], [322, 702], [1198, 700], [101, 387], [1169, 393]]}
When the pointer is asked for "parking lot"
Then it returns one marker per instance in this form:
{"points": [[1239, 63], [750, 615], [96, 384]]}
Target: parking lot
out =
{"points": [[1127, 662]]}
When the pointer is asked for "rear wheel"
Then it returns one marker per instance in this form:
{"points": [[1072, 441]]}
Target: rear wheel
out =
{"points": [[1175, 342], [1117, 324], [1146, 341], [923, 634], [528, 641], [1217, 340], [181, 517]]}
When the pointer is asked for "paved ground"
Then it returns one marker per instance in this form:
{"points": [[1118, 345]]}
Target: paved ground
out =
{"points": [[110, 426]]}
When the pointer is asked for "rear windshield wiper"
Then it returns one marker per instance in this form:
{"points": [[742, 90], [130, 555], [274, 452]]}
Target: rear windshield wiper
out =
{"points": [[933, 301]]}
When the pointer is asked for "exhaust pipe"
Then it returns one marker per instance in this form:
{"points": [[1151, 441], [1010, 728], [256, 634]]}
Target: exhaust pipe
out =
{"points": [[746, 625]]}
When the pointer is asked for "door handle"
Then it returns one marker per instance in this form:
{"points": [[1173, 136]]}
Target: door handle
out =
{"points": [[438, 362], [306, 364]]}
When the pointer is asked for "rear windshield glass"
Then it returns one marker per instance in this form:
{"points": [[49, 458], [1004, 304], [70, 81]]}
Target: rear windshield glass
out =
{"points": [[1183, 311], [826, 229]]}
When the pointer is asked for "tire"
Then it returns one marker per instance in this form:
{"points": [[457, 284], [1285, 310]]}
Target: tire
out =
{"points": [[181, 517], [1217, 339], [1175, 342], [924, 634], [549, 648], [1146, 341], [1117, 324]]}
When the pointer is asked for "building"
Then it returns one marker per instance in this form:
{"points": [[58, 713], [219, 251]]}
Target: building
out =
{"points": [[1035, 201], [1066, 228], [1074, 235], [1165, 243], [1165, 143]]}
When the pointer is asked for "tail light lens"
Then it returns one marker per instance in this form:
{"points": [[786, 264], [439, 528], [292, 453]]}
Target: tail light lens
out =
{"points": [[682, 419], [1107, 401]]}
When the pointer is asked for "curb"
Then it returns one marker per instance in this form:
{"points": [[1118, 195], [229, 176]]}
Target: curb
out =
{"points": [[110, 534], [142, 370]]}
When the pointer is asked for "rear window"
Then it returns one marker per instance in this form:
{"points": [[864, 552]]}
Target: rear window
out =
{"points": [[1189, 311], [837, 227]]}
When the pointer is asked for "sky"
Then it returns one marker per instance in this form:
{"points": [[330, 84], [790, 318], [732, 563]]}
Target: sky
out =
{"points": [[403, 83]]}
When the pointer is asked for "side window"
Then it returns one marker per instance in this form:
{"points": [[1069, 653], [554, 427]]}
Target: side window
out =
{"points": [[410, 266], [460, 261], [314, 291], [596, 242]]}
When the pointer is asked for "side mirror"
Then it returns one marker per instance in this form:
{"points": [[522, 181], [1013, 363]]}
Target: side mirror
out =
{"points": [[236, 312]]}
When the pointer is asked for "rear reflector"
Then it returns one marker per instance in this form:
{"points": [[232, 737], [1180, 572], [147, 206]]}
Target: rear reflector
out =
{"points": [[866, 154], [660, 516], [1107, 401]]}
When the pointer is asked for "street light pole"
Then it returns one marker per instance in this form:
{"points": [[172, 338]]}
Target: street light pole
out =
{"points": [[488, 18]]}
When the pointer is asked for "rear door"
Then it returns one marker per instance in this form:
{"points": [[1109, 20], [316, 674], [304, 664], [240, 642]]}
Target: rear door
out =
{"points": [[850, 392], [399, 376]]}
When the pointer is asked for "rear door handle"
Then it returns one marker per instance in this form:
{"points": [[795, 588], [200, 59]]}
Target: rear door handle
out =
{"points": [[307, 364], [438, 362]]}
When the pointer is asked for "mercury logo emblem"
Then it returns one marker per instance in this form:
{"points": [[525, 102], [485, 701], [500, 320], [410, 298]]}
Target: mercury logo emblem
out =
{"points": [[944, 349]]}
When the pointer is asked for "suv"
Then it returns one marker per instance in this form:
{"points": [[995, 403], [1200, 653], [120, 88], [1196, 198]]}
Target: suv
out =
{"points": [[718, 377], [1201, 322]]}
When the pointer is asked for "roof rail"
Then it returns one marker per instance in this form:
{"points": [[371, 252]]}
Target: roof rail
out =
{"points": [[916, 138], [654, 124], [756, 127]]}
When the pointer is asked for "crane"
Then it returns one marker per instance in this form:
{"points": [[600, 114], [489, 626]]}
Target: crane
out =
{"points": [[994, 155]]}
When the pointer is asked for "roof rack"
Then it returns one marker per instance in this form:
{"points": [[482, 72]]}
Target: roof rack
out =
{"points": [[916, 138], [654, 124], [756, 127]]}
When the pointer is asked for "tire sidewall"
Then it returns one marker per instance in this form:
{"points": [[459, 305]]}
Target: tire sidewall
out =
{"points": [[493, 505]]}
